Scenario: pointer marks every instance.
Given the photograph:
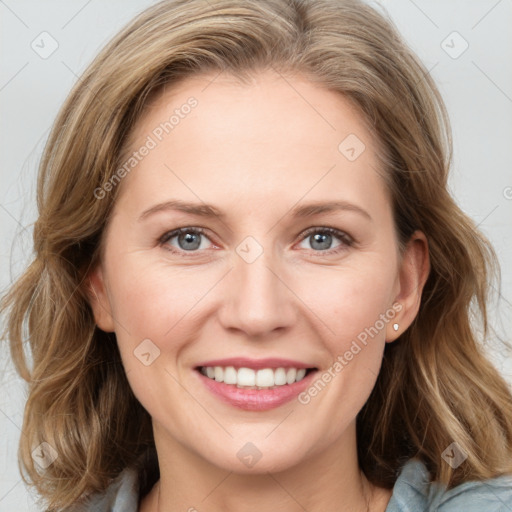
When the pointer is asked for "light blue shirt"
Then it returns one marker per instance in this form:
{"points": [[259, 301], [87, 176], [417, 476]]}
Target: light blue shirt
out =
{"points": [[412, 492]]}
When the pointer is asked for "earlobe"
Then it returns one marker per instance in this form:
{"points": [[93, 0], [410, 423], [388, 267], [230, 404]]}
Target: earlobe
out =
{"points": [[99, 301], [412, 276]]}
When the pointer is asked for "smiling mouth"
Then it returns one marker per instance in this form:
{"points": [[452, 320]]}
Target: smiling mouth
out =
{"points": [[248, 378]]}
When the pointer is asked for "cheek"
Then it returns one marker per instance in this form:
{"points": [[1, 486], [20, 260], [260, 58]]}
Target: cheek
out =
{"points": [[151, 296], [153, 301], [154, 307], [347, 300], [352, 308]]}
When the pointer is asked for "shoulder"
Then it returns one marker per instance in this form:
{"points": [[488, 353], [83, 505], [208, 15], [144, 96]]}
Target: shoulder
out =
{"points": [[414, 492], [122, 495]]}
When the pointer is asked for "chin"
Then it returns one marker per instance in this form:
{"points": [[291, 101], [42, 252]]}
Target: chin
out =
{"points": [[258, 458]]}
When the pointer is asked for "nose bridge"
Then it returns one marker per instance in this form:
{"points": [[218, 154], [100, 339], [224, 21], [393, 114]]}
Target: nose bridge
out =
{"points": [[257, 301]]}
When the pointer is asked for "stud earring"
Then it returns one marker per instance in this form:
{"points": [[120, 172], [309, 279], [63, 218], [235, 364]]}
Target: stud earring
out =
{"points": [[395, 327]]}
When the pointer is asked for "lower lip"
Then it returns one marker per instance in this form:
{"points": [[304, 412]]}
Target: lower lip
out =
{"points": [[256, 399]]}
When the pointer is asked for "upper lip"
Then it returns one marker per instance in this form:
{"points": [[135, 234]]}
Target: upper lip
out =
{"points": [[245, 362]]}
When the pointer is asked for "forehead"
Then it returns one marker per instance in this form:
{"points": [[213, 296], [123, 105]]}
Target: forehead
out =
{"points": [[211, 136]]}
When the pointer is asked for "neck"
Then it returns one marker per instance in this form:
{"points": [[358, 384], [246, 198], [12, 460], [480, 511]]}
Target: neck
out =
{"points": [[328, 480]]}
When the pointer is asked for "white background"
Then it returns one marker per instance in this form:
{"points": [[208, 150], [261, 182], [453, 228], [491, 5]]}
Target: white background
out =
{"points": [[476, 86]]}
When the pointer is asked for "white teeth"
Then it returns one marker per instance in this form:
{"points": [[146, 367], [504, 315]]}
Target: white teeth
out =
{"points": [[219, 374], [230, 375], [280, 377], [265, 378], [247, 377], [290, 375]]}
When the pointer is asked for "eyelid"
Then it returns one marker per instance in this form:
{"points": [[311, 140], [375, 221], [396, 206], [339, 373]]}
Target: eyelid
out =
{"points": [[328, 229], [175, 232]]}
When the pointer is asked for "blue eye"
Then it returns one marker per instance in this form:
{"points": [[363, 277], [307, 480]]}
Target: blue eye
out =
{"points": [[321, 239], [190, 240]]}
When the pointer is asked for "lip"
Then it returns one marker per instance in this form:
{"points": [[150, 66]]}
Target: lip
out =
{"points": [[256, 364], [255, 399]]}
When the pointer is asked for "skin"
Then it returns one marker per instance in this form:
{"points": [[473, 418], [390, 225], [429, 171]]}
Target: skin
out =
{"points": [[255, 152]]}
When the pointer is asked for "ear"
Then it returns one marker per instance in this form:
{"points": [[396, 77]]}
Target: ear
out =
{"points": [[98, 298], [412, 276]]}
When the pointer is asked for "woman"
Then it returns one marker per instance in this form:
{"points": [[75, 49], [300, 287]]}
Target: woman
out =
{"points": [[251, 287]]}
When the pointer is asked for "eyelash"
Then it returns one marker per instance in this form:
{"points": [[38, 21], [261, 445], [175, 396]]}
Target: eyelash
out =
{"points": [[346, 240]]}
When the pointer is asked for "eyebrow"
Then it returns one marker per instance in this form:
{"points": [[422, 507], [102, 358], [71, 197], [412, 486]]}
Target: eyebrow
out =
{"points": [[207, 210]]}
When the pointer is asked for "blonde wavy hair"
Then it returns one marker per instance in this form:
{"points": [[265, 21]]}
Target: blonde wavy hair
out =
{"points": [[435, 385]]}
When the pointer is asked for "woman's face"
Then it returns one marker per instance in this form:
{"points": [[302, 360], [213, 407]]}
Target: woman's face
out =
{"points": [[269, 286]]}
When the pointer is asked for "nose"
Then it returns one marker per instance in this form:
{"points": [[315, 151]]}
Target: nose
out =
{"points": [[258, 300]]}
